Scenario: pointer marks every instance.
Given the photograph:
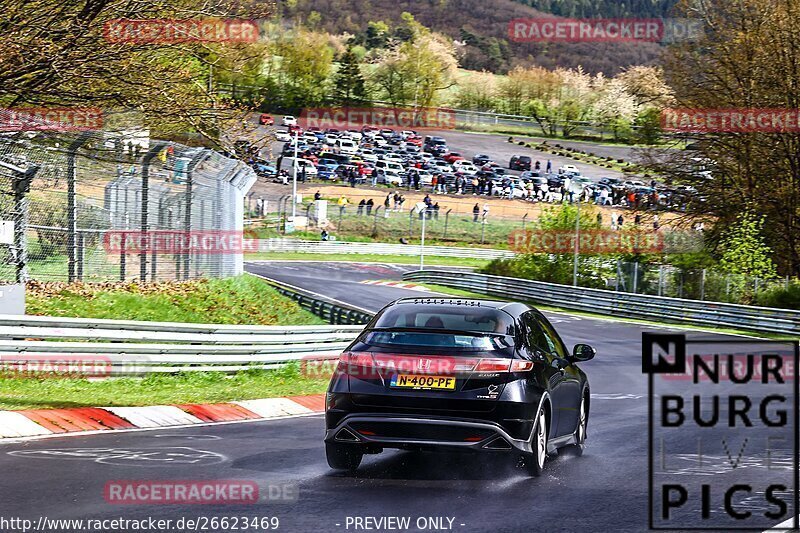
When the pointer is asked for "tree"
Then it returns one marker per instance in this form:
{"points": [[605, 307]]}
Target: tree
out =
{"points": [[744, 250], [305, 68], [348, 84], [55, 53], [747, 58], [413, 72]]}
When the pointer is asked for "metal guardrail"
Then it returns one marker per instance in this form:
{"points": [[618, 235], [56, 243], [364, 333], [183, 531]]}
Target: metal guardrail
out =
{"points": [[48, 345], [620, 304], [346, 247], [326, 308]]}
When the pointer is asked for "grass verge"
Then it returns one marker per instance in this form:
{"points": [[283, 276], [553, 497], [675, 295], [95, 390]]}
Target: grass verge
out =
{"points": [[239, 300], [188, 387], [430, 260]]}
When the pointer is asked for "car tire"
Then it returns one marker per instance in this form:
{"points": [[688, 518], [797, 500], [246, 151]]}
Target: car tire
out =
{"points": [[343, 456], [534, 463], [580, 432]]}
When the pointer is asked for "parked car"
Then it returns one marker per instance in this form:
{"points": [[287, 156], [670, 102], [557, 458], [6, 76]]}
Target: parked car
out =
{"points": [[481, 159], [452, 157], [266, 119], [520, 162]]}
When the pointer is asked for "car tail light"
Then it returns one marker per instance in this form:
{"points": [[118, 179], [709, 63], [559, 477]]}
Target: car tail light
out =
{"points": [[437, 365], [503, 365]]}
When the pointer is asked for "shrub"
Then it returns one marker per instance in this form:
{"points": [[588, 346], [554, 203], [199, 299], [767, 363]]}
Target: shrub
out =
{"points": [[781, 297]]}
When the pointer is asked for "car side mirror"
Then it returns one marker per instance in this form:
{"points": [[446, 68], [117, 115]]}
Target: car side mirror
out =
{"points": [[583, 352]]}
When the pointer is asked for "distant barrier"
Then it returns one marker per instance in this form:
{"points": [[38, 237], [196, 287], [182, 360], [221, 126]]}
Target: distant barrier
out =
{"points": [[621, 304]]}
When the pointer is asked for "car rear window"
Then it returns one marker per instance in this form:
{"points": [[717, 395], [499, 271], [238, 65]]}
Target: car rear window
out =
{"points": [[466, 318]]}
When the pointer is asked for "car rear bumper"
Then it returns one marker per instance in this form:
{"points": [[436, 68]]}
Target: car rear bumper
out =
{"points": [[414, 432]]}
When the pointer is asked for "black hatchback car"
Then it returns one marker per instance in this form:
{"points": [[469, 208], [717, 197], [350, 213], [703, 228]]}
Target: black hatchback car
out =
{"points": [[520, 162], [458, 375]]}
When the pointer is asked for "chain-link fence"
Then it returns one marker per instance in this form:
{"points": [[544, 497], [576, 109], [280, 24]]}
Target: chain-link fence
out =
{"points": [[97, 206]]}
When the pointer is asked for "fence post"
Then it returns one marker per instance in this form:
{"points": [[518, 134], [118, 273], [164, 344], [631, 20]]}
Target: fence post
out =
{"points": [[22, 185], [703, 285], [375, 222], [635, 276], [446, 220], [338, 224], [728, 288], [308, 216], [72, 203], [122, 257], [524, 220], [410, 223], [81, 255], [188, 207], [660, 278], [483, 229], [146, 206]]}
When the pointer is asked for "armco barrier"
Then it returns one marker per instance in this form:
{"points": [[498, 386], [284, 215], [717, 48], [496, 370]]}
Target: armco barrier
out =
{"points": [[344, 247], [117, 347], [620, 304], [326, 308]]}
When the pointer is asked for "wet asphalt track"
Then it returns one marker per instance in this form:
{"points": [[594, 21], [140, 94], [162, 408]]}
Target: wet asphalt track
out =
{"points": [[605, 490]]}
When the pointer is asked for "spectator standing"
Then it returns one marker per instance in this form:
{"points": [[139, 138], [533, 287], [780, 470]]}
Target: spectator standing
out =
{"points": [[360, 210], [600, 219], [620, 222], [485, 212], [369, 206], [317, 196], [549, 167], [476, 212], [436, 210], [655, 222]]}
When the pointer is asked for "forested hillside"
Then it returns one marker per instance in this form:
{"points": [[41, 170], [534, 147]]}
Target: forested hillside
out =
{"points": [[481, 29], [603, 8]]}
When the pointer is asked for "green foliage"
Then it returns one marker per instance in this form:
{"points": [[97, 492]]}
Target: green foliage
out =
{"points": [[305, 68], [348, 84], [556, 268], [649, 126], [783, 298], [744, 249]]}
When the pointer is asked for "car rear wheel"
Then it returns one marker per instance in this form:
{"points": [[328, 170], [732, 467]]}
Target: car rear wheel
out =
{"points": [[534, 463], [343, 456]]}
